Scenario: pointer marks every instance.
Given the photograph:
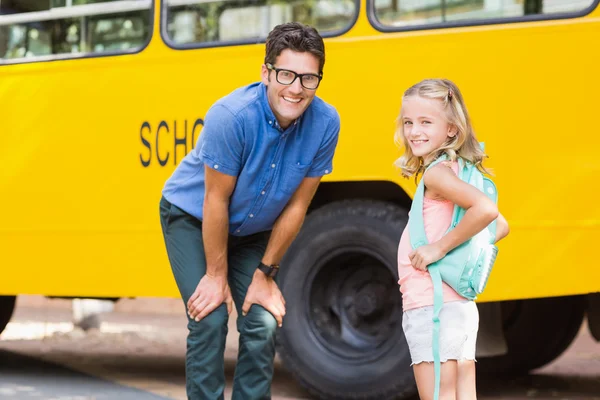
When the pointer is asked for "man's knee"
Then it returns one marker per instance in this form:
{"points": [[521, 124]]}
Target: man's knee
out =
{"points": [[213, 325], [258, 324]]}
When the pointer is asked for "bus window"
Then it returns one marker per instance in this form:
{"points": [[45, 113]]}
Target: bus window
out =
{"points": [[406, 13], [242, 21], [35, 30]]}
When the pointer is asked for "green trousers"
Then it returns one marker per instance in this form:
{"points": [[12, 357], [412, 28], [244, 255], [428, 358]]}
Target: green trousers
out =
{"points": [[205, 369]]}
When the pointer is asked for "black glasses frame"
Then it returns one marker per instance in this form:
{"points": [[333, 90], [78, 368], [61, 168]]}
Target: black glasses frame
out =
{"points": [[296, 76]]}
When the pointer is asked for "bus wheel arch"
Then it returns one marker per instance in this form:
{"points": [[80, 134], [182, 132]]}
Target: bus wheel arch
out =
{"points": [[593, 315], [385, 191], [7, 306], [537, 331]]}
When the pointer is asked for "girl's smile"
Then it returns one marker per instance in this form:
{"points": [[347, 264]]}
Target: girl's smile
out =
{"points": [[425, 125]]}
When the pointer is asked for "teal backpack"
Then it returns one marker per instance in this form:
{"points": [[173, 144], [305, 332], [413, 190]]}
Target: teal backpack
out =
{"points": [[467, 267]]}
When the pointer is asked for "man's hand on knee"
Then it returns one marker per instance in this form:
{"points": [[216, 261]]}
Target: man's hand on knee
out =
{"points": [[264, 291], [211, 292]]}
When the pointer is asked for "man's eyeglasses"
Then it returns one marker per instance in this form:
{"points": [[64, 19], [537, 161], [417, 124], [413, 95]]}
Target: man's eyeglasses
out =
{"points": [[287, 77]]}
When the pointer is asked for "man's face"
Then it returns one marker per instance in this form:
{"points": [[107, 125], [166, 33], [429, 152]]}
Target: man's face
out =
{"points": [[288, 102]]}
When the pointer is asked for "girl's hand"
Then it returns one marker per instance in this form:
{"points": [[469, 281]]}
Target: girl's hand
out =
{"points": [[421, 257]]}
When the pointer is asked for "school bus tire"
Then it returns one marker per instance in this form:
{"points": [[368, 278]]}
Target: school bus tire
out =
{"points": [[7, 306], [537, 331], [342, 333]]}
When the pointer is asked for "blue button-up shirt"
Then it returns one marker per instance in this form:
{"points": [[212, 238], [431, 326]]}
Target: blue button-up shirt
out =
{"points": [[241, 137]]}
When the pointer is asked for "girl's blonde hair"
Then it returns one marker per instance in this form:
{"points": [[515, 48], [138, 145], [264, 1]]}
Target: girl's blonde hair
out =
{"points": [[464, 144]]}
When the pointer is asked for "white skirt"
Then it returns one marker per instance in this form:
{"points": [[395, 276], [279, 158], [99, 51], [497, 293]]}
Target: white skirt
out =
{"points": [[459, 322]]}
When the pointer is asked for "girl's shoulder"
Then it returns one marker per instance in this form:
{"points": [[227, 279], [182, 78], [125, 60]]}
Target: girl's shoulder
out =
{"points": [[453, 165], [446, 164], [438, 177]]}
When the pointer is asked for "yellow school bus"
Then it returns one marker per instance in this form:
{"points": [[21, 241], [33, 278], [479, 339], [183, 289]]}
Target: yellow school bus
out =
{"points": [[101, 99]]}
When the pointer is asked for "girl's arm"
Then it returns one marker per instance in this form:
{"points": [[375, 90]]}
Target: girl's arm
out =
{"points": [[481, 211], [502, 229]]}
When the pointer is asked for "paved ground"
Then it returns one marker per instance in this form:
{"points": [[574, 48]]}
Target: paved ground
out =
{"points": [[140, 345], [139, 354], [24, 377]]}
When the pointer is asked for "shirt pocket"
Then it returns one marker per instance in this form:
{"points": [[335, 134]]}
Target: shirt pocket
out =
{"points": [[293, 175]]}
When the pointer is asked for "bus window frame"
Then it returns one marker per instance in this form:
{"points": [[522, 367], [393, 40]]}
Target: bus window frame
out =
{"points": [[80, 56], [375, 23], [213, 44]]}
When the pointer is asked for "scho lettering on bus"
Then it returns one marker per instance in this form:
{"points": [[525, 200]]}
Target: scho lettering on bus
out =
{"points": [[166, 143]]}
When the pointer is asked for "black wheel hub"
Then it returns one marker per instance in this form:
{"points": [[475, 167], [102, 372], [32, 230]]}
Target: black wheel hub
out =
{"points": [[355, 306]]}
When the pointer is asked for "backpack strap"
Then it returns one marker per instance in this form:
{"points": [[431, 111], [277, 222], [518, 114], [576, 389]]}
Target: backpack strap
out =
{"points": [[458, 213], [416, 225], [438, 303], [490, 190], [487, 186]]}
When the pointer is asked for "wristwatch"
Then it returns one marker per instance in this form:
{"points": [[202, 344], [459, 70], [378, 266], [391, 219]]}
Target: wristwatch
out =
{"points": [[269, 270]]}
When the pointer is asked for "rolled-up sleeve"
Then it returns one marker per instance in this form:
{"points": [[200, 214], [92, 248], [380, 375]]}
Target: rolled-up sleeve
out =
{"points": [[323, 161], [222, 141]]}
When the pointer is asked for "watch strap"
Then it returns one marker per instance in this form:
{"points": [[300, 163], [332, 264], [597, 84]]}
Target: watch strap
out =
{"points": [[269, 270]]}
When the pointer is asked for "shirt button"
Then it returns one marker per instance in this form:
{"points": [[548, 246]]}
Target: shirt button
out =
{"points": [[251, 215], [326, 171], [216, 166], [238, 231], [272, 165], [262, 193], [270, 122]]}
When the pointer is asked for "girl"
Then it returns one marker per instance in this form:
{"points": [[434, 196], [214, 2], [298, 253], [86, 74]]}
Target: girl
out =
{"points": [[434, 121]]}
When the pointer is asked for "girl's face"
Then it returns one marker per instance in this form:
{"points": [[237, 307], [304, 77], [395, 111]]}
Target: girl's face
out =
{"points": [[425, 125]]}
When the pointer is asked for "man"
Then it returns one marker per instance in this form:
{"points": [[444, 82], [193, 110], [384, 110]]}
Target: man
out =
{"points": [[235, 203]]}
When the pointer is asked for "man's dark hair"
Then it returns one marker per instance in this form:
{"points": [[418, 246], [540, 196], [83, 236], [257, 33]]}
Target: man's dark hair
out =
{"points": [[296, 37]]}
